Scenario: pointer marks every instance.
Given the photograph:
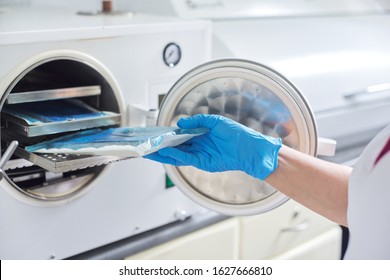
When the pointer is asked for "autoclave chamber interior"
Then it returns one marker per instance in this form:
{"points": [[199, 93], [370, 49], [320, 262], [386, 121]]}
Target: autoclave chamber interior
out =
{"points": [[51, 84]]}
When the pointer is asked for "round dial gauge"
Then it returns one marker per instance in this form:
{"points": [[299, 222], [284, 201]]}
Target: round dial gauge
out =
{"points": [[172, 54]]}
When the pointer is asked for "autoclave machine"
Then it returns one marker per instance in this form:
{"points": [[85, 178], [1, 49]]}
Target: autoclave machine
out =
{"points": [[54, 207]]}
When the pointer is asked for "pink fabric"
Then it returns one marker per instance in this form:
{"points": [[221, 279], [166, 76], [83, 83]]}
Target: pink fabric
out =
{"points": [[384, 151]]}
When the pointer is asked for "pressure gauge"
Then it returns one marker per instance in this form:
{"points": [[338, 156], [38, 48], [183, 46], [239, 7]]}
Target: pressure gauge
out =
{"points": [[172, 54]]}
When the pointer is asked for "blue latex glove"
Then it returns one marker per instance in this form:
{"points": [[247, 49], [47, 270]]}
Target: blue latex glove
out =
{"points": [[227, 146]]}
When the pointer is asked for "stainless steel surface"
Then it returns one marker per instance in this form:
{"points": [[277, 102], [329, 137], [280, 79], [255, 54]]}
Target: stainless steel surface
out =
{"points": [[56, 178], [27, 130], [255, 96], [44, 78], [55, 189], [59, 163], [17, 163], [6, 156], [51, 94]]}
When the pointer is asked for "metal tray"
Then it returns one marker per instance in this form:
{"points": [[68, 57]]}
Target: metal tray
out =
{"points": [[55, 116], [52, 94], [59, 127], [17, 163], [59, 163]]}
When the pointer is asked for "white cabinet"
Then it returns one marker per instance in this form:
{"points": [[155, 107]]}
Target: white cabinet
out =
{"points": [[217, 242], [275, 233], [326, 246], [288, 232]]}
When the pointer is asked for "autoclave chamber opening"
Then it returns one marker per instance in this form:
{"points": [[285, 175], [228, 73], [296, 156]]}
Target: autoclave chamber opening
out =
{"points": [[61, 82]]}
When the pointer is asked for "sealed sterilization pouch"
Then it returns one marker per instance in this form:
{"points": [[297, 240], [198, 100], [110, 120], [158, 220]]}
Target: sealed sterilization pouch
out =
{"points": [[36, 113], [121, 141], [55, 116]]}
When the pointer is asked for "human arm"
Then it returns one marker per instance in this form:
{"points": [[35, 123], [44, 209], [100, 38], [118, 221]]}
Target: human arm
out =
{"points": [[317, 184]]}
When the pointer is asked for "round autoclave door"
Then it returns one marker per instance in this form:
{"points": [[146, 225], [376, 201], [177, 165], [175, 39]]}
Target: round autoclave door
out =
{"points": [[254, 95]]}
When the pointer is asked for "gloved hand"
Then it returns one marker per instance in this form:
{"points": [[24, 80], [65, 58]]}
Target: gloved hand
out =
{"points": [[227, 146]]}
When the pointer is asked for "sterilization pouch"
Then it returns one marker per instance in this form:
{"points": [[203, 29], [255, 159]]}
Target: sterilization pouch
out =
{"points": [[37, 113], [121, 141]]}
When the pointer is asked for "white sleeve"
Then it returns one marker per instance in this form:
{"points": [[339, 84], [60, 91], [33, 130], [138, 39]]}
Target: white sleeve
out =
{"points": [[369, 203]]}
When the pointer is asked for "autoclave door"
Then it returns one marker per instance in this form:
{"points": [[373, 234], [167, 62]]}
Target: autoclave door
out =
{"points": [[254, 95]]}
